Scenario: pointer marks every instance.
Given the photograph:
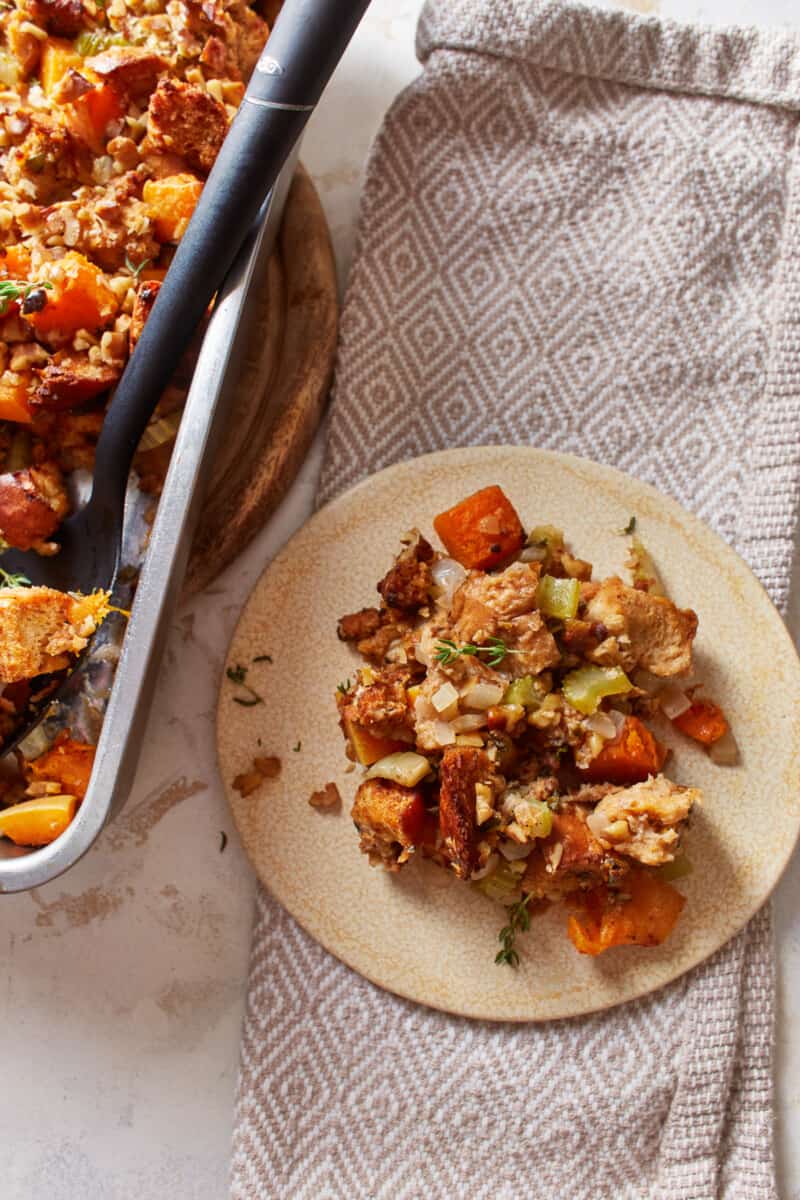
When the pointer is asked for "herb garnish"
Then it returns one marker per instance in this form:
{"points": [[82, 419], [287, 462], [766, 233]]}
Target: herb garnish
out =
{"points": [[629, 528], [297, 747], [495, 649], [238, 675], [136, 271], [344, 687], [223, 840], [519, 921], [18, 289], [263, 658], [12, 581]]}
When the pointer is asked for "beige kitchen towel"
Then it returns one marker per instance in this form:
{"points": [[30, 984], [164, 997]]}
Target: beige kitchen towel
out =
{"points": [[579, 229]]}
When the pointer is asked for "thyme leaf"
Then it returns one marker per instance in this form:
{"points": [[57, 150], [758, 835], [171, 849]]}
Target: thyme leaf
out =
{"points": [[136, 271], [495, 650], [519, 921], [238, 675], [8, 580], [18, 289]]}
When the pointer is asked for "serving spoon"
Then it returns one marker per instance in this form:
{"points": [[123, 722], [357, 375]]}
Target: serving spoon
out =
{"points": [[304, 46]]}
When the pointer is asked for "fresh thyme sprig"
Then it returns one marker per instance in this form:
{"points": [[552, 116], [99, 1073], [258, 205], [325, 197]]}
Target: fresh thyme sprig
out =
{"points": [[238, 675], [11, 581], [136, 271], [495, 650], [519, 921], [18, 289]]}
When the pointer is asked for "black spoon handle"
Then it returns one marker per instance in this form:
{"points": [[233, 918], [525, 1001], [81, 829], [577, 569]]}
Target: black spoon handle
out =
{"points": [[306, 43]]}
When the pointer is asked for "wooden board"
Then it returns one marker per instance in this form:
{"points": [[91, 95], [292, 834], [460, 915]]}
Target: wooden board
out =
{"points": [[282, 389], [422, 933]]}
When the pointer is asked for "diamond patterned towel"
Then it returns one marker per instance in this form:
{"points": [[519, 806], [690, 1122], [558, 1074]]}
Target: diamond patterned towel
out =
{"points": [[579, 229]]}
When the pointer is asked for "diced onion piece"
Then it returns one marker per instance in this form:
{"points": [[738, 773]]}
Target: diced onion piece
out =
{"points": [[618, 718], [586, 687], [443, 733], [469, 739], [405, 767], [603, 725], [480, 695], [673, 700], [513, 851], [724, 752], [533, 554], [444, 697], [558, 597], [468, 722], [488, 867], [447, 575]]}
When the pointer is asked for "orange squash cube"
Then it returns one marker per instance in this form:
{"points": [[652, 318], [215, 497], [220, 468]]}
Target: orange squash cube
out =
{"points": [[39, 821], [14, 400], [80, 297], [67, 763], [58, 57], [171, 202], [369, 748], [646, 918], [483, 531]]}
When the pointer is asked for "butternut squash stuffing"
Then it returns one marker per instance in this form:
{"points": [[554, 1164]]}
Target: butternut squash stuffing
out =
{"points": [[111, 117], [503, 715]]}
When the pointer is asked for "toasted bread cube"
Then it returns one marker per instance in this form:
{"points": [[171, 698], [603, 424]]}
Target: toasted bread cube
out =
{"points": [[41, 627]]}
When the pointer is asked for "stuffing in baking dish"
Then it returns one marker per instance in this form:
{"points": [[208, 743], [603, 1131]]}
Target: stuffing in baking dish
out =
{"points": [[111, 115], [503, 717]]}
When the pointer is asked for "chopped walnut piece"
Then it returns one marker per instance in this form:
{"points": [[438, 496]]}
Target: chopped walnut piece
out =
{"points": [[326, 798]]}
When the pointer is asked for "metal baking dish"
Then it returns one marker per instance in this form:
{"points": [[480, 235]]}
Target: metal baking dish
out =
{"points": [[129, 688]]}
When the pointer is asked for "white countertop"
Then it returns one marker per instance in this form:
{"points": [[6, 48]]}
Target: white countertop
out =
{"points": [[124, 981]]}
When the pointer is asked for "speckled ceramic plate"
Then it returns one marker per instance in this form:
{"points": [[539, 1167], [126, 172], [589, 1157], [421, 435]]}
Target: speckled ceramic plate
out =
{"points": [[421, 933]]}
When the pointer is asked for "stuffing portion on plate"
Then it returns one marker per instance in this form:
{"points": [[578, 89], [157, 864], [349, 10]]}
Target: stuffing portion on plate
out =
{"points": [[503, 718]]}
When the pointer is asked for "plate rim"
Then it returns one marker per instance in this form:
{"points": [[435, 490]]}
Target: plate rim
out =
{"points": [[579, 463]]}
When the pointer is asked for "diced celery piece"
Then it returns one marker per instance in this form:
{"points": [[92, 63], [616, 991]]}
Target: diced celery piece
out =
{"points": [[547, 536], [558, 597], [524, 692], [586, 687], [679, 868], [503, 883], [643, 569], [405, 767]]}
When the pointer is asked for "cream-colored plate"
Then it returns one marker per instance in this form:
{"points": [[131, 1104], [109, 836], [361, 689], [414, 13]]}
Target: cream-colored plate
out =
{"points": [[421, 933]]}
